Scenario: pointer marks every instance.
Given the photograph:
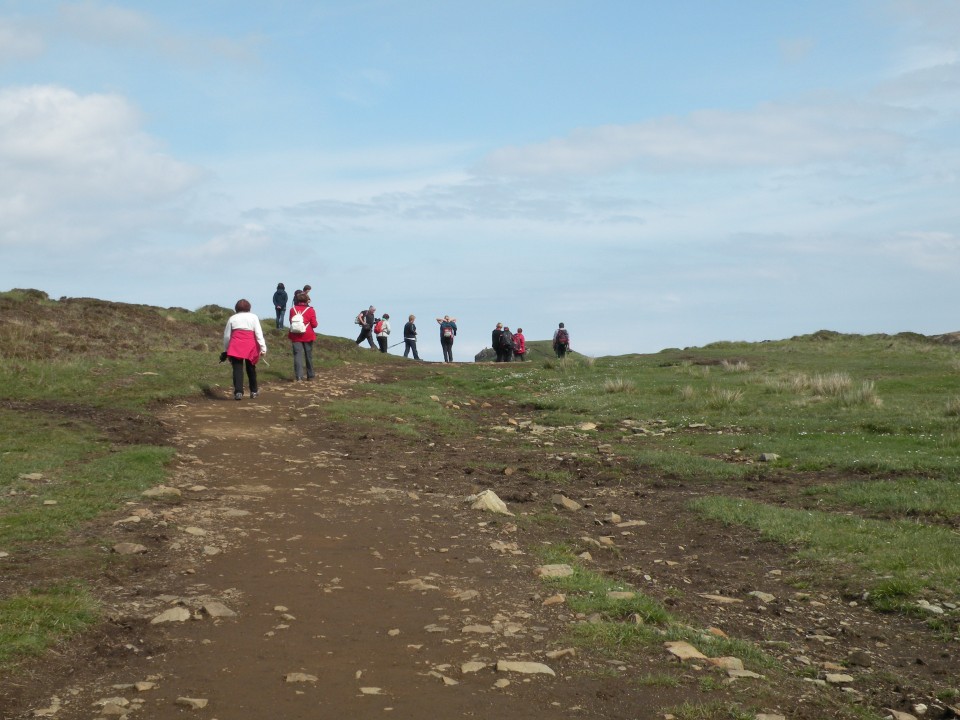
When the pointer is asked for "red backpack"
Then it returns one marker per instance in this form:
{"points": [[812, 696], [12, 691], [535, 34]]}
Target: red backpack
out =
{"points": [[378, 328]]}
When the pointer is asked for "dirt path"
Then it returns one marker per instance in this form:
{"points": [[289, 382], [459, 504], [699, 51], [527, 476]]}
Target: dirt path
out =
{"points": [[376, 595], [356, 583]]}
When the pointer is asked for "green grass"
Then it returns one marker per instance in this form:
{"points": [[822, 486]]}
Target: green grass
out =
{"points": [[31, 623], [914, 555]]}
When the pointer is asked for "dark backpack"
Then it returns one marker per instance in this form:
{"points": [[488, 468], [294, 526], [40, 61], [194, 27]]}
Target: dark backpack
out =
{"points": [[562, 337], [506, 341]]}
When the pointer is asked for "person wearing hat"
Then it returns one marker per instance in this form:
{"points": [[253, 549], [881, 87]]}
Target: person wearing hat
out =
{"points": [[367, 318], [382, 329]]}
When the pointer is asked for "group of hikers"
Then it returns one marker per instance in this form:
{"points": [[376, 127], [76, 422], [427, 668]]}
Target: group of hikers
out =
{"points": [[244, 343]]}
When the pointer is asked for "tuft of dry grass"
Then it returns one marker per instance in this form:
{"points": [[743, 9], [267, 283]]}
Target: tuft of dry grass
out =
{"points": [[619, 385]]}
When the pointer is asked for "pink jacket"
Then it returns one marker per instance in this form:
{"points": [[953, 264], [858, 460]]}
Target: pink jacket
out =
{"points": [[519, 343]]}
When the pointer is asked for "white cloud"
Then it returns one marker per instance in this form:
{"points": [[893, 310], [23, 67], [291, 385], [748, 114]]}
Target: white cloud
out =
{"points": [[931, 251], [772, 135], [74, 166]]}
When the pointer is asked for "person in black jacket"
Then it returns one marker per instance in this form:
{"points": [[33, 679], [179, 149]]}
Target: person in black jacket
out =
{"points": [[410, 338], [495, 341], [280, 304], [368, 318], [506, 344]]}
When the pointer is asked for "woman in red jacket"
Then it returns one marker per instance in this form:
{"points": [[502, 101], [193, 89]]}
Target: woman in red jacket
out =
{"points": [[302, 342], [520, 345]]}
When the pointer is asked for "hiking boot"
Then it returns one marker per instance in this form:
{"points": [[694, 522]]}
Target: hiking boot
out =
{"points": [[238, 396], [253, 394]]}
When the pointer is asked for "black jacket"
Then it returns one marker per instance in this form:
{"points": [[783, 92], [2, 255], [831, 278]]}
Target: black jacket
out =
{"points": [[409, 331], [280, 299]]}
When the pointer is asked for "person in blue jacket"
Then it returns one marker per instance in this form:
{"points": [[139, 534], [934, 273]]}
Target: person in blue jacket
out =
{"points": [[448, 331]]}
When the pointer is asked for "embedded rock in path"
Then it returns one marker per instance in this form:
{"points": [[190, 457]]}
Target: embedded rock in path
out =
{"points": [[298, 677], [525, 668], [128, 548], [769, 457], [192, 703], [472, 667], [488, 501], [587, 426], [218, 610], [838, 678], [177, 614], [762, 596]]}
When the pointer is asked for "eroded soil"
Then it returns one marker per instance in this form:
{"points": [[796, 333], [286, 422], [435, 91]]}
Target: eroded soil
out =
{"points": [[362, 582]]}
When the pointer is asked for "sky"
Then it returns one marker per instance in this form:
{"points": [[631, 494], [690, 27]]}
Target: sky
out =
{"points": [[653, 174]]}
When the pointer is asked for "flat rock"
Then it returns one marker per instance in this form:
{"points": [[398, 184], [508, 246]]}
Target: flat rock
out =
{"points": [[684, 650], [192, 703], [762, 596], [299, 677], [727, 663], [557, 599], [838, 678], [472, 667], [479, 629], [177, 614], [525, 668], [217, 609], [559, 654], [161, 491], [562, 501], [769, 457], [560, 570], [720, 599]]}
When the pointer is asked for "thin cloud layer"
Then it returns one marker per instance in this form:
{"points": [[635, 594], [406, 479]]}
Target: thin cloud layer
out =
{"points": [[73, 165]]}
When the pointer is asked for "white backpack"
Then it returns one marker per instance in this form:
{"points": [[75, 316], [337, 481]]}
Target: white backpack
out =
{"points": [[297, 324]]}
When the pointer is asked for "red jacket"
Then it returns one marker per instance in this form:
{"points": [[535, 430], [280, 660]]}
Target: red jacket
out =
{"points": [[519, 343], [309, 318]]}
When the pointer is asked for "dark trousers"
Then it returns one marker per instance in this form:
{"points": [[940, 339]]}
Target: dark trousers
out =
{"points": [[302, 360], [366, 334], [382, 342], [561, 349], [280, 313], [238, 364], [410, 344], [447, 345]]}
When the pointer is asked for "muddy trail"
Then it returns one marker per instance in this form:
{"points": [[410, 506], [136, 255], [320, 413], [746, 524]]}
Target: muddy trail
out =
{"points": [[302, 569]]}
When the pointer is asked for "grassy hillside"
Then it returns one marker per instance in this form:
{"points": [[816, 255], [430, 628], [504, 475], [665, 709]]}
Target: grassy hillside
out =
{"points": [[845, 449]]}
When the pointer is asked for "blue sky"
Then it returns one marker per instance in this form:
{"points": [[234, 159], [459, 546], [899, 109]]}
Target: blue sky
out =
{"points": [[653, 174]]}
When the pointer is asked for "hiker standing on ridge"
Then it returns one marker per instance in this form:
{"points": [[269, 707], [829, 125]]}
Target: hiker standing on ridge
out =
{"points": [[561, 341], [410, 338], [448, 331], [506, 344], [366, 320], [243, 343], [280, 304], [495, 337], [519, 345], [302, 318], [382, 330]]}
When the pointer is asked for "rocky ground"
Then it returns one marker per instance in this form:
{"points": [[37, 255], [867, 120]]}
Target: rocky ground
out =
{"points": [[295, 568]]}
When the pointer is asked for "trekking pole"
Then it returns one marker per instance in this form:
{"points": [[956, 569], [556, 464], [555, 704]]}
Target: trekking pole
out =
{"points": [[397, 343]]}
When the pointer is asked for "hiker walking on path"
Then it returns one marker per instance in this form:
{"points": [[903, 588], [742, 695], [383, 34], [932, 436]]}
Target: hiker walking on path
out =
{"points": [[366, 320], [519, 345], [243, 343], [303, 318], [382, 330], [506, 344], [495, 341], [561, 341], [448, 331], [410, 338], [280, 304]]}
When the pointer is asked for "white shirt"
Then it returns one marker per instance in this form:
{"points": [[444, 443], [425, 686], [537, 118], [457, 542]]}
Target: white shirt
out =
{"points": [[244, 321]]}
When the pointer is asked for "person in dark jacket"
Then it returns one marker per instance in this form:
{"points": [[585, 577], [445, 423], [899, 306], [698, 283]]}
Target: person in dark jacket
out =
{"points": [[448, 331], [495, 340], [280, 304], [561, 341], [506, 344], [367, 320], [410, 338]]}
